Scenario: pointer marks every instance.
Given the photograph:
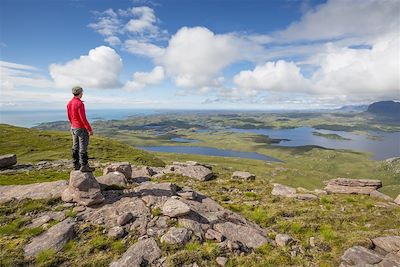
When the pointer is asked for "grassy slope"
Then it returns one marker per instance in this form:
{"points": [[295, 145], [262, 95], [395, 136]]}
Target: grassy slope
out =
{"points": [[32, 145]]}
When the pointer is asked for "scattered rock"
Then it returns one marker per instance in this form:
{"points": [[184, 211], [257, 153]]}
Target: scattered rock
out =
{"points": [[123, 167], [282, 190], [176, 236], [221, 261], [243, 176], [304, 196], [155, 194], [380, 195], [142, 253], [175, 208], [33, 191], [83, 189], [79, 209], [283, 240], [55, 238], [250, 237], [45, 218], [199, 172], [124, 218], [387, 244], [187, 194], [142, 172], [116, 232], [397, 200], [7, 161], [352, 186], [212, 234], [113, 178]]}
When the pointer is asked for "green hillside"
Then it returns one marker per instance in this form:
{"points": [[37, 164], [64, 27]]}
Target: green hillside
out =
{"points": [[31, 145]]}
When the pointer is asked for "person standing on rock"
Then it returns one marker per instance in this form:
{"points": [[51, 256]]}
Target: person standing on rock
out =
{"points": [[80, 130]]}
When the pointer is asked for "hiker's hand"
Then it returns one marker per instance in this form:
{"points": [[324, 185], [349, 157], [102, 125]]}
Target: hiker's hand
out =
{"points": [[90, 132]]}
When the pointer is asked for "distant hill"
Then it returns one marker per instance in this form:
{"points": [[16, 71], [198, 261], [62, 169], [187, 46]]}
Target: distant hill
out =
{"points": [[385, 108], [353, 108]]}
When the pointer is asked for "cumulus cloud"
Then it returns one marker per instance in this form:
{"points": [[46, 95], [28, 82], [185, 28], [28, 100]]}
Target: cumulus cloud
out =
{"points": [[99, 69], [144, 49], [142, 79], [144, 22]]}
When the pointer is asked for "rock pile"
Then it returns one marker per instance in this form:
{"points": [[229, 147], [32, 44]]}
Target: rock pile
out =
{"points": [[385, 253]]}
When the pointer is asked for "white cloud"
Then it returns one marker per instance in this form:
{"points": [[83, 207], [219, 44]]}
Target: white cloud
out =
{"points": [[143, 49], [107, 23], [144, 22], [272, 76], [99, 69], [142, 79], [13, 75], [112, 40], [195, 57], [343, 19]]}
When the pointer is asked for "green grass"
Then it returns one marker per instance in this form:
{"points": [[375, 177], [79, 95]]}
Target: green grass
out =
{"points": [[330, 136], [31, 145]]}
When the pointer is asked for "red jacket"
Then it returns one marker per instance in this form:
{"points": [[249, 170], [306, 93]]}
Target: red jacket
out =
{"points": [[77, 114]]}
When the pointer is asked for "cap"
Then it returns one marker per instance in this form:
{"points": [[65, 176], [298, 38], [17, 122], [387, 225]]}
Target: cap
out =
{"points": [[77, 90]]}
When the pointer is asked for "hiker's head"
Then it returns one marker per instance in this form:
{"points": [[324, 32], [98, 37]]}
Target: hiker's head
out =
{"points": [[77, 91]]}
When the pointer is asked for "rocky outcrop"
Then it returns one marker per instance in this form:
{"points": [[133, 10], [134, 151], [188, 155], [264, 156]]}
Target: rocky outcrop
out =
{"points": [[7, 161], [112, 179], [33, 191], [175, 208], [290, 192], [83, 189], [54, 238], [142, 253], [123, 167], [386, 253], [243, 176], [352, 186]]}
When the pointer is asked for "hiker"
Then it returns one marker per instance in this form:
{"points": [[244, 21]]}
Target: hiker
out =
{"points": [[80, 130]]}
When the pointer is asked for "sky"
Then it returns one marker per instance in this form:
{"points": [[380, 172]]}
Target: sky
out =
{"points": [[199, 54]]}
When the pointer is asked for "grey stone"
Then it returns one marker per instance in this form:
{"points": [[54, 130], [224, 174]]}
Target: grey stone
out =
{"points": [[221, 261], [397, 200], [113, 178], [283, 240], [39, 221], [55, 238], [390, 260], [175, 208], [33, 191], [123, 167], [250, 237], [7, 161], [155, 194], [212, 234], [303, 196], [83, 189], [116, 232], [142, 253], [187, 194], [358, 255], [124, 218], [380, 195], [282, 190], [352, 186], [198, 172], [176, 236], [387, 244], [243, 176]]}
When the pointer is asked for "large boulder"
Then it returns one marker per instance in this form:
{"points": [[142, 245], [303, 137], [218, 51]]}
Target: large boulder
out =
{"points": [[54, 238], [113, 179], [387, 244], [142, 253], [7, 161], [248, 236], [175, 208], [122, 167], [352, 186], [33, 191], [83, 189], [178, 236], [243, 176]]}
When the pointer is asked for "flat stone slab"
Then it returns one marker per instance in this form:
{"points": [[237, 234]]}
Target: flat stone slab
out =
{"points": [[361, 256], [283, 190], [341, 189], [55, 238], [33, 191], [355, 182], [387, 243]]}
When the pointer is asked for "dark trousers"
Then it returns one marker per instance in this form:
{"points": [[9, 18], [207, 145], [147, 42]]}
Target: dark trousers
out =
{"points": [[80, 142]]}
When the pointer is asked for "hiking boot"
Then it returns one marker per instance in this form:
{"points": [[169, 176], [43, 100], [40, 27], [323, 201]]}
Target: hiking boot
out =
{"points": [[77, 167], [86, 168]]}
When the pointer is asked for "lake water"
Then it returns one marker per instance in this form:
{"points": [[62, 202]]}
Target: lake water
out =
{"points": [[386, 145], [209, 151], [33, 118], [184, 140]]}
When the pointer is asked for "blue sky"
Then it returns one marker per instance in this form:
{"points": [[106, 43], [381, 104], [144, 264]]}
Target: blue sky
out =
{"points": [[248, 54]]}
